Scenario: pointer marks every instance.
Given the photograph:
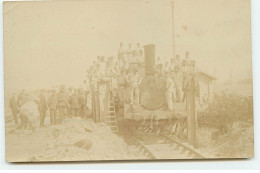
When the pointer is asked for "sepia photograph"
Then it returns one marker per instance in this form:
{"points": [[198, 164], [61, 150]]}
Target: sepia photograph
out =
{"points": [[121, 80]]}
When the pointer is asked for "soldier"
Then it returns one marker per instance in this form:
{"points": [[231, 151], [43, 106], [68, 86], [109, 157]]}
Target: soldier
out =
{"points": [[102, 66], [69, 93], [169, 91], [42, 108], [109, 70], [187, 58], [121, 55], [178, 61], [186, 77], [129, 53], [86, 84], [166, 68], [134, 80], [13, 104], [62, 103], [125, 65], [116, 69], [81, 103], [139, 50], [111, 61], [158, 61], [121, 85], [193, 68], [86, 94], [159, 70], [53, 104], [172, 66], [74, 103], [177, 78]]}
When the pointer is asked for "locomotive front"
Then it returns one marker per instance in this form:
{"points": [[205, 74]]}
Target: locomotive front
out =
{"points": [[150, 114]]}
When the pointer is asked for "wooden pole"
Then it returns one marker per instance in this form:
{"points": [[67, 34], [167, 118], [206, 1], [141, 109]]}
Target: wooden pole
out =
{"points": [[173, 44], [192, 114]]}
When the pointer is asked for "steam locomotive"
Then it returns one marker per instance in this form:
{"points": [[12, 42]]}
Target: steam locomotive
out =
{"points": [[151, 115]]}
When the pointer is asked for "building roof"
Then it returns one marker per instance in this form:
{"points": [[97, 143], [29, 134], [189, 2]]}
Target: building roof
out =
{"points": [[206, 75]]}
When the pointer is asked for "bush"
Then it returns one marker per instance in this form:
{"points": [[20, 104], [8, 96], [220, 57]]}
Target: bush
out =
{"points": [[225, 109]]}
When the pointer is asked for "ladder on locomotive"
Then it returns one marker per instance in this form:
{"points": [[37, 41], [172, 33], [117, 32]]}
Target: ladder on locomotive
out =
{"points": [[111, 119]]}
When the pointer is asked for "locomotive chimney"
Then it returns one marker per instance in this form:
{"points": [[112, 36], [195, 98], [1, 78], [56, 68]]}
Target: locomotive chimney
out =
{"points": [[149, 52]]}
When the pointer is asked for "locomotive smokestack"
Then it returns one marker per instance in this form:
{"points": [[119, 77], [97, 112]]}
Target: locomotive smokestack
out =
{"points": [[149, 52]]}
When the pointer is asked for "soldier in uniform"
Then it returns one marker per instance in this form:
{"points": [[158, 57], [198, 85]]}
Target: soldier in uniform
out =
{"points": [[134, 80], [139, 50], [62, 103], [81, 103], [121, 55], [68, 95], [186, 78], [193, 68], [187, 58], [53, 104], [42, 108], [172, 65], [178, 61], [102, 66], [13, 104], [169, 91], [166, 68], [129, 53], [177, 78], [74, 103]]}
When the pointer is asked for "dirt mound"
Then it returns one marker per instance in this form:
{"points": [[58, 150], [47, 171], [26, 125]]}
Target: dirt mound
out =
{"points": [[76, 140]]}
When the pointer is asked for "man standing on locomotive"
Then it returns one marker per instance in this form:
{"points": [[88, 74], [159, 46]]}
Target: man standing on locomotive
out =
{"points": [[169, 91], [134, 79], [177, 78], [121, 56]]}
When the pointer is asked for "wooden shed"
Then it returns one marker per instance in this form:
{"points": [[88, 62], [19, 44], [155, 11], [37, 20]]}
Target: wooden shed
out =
{"points": [[207, 85]]}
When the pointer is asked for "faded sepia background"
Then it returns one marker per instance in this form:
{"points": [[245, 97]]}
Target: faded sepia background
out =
{"points": [[51, 45], [46, 44], [231, 164]]}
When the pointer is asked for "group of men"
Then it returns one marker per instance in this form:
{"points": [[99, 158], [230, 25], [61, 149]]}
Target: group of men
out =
{"points": [[125, 80], [120, 71], [178, 74], [60, 105]]}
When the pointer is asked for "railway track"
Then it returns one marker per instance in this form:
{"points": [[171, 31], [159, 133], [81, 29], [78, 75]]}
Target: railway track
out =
{"points": [[164, 147]]}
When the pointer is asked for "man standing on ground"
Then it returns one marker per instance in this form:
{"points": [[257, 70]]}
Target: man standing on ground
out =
{"points": [[42, 108], [81, 103], [62, 102], [74, 103], [53, 104]]}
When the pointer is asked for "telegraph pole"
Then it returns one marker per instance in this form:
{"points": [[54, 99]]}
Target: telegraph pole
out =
{"points": [[173, 44]]}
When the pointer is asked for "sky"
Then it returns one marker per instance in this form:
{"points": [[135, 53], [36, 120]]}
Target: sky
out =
{"points": [[52, 43]]}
